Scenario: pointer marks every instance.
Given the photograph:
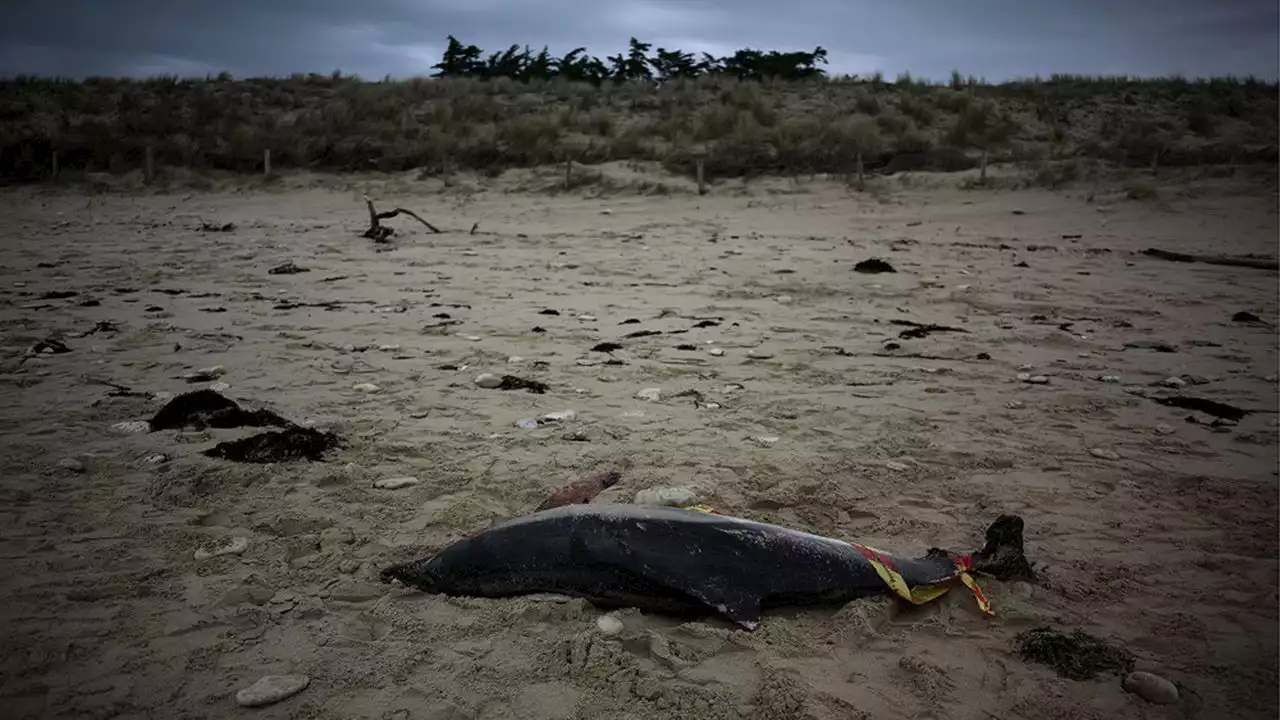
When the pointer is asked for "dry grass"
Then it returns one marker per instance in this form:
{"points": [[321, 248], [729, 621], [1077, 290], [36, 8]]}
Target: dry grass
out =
{"points": [[743, 128]]}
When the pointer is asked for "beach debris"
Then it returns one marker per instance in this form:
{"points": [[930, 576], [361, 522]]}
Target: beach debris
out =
{"points": [[671, 496], [1247, 262], [378, 232], [201, 409], [538, 329], [208, 374], [366, 387], [559, 416], [766, 440], [291, 444], [706, 323], [1078, 656], [716, 352], [642, 333], [1156, 345], [1204, 405], [582, 491], [395, 483], [511, 382], [527, 424], [288, 268], [1104, 454], [630, 321], [917, 330], [759, 354], [1109, 379], [1030, 379], [650, 394], [687, 347], [234, 546], [548, 311], [217, 227], [606, 347], [131, 427], [271, 689], [873, 266], [1150, 687]]}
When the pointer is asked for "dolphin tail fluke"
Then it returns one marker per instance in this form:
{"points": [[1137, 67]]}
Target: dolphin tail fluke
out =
{"points": [[1003, 555]]}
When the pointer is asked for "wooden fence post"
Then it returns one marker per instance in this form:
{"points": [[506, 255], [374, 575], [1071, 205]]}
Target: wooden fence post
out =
{"points": [[266, 163], [702, 178]]}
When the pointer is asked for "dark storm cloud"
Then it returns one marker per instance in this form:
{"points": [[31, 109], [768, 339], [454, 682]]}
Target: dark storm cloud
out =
{"points": [[997, 39]]}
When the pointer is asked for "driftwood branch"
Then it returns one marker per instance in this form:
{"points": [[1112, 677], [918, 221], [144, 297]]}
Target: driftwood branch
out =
{"points": [[1257, 263], [379, 232]]}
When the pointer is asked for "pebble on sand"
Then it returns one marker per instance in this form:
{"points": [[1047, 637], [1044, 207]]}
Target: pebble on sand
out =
{"points": [[219, 387], [716, 352], [271, 689], [235, 546], [766, 440], [488, 381], [1150, 687], [650, 394], [560, 416], [1173, 382], [71, 465], [609, 625], [395, 483], [758, 354], [1104, 453], [365, 388]]}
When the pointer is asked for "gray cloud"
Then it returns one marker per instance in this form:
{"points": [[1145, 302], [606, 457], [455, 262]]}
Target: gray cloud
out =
{"points": [[997, 39]]}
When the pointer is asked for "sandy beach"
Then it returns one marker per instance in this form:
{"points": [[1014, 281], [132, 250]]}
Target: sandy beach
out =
{"points": [[798, 404]]}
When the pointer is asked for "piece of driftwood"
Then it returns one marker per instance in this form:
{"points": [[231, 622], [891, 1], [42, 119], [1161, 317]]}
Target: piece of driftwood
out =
{"points": [[1257, 263], [378, 232]]}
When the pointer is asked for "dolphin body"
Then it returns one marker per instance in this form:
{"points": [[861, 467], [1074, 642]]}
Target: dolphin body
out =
{"points": [[669, 560]]}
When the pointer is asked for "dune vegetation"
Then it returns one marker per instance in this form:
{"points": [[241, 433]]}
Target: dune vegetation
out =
{"points": [[749, 114]]}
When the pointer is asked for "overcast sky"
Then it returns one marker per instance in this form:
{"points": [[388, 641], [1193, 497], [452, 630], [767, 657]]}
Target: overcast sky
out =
{"points": [[998, 39]]}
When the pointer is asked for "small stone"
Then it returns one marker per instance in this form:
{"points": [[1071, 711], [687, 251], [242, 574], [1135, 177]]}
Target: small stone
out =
{"points": [[1104, 454], [609, 625], [784, 299], [1110, 379], [575, 436], [515, 359], [1015, 404], [766, 440], [1151, 687], [1163, 429], [271, 689], [157, 459], [488, 381], [560, 416], [1173, 382], [1023, 377], [219, 387], [348, 567], [670, 496], [71, 465], [1038, 380], [368, 388], [711, 406], [587, 318], [395, 483], [132, 427], [1025, 368], [716, 352], [895, 465], [527, 424], [389, 348], [606, 211], [758, 354], [235, 546], [473, 338], [650, 394]]}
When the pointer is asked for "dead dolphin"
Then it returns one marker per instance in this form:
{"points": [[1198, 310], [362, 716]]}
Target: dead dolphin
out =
{"points": [[664, 559]]}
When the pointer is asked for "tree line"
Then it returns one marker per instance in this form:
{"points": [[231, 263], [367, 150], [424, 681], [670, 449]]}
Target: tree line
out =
{"points": [[637, 64]]}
